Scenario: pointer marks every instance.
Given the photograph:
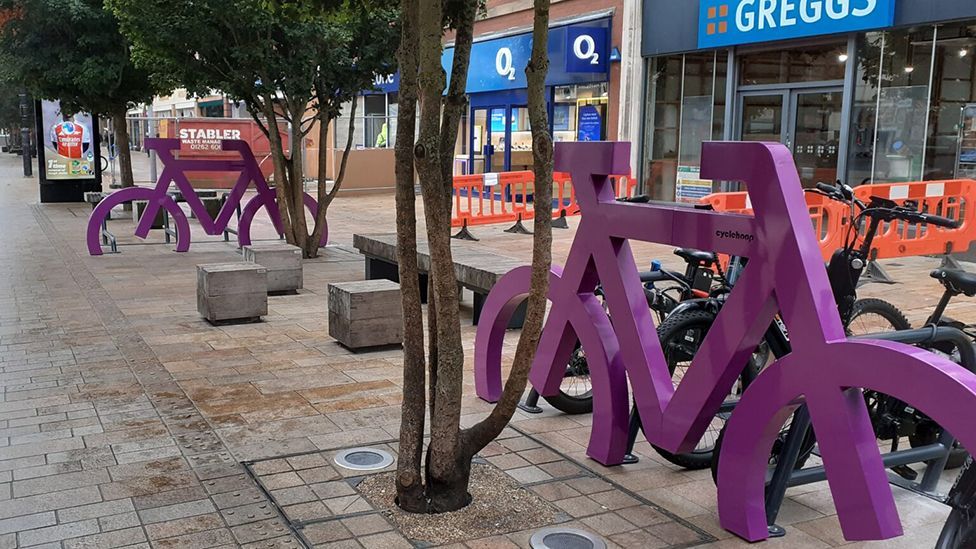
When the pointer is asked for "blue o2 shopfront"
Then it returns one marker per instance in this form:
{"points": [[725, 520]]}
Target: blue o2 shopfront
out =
{"points": [[859, 90], [496, 136]]}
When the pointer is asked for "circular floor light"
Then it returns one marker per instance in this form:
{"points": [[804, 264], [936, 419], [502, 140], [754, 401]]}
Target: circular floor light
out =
{"points": [[364, 459], [566, 538]]}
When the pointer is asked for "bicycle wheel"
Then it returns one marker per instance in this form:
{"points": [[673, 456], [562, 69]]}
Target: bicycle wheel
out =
{"points": [[872, 316], [576, 392], [681, 335], [928, 432], [806, 449], [959, 531]]}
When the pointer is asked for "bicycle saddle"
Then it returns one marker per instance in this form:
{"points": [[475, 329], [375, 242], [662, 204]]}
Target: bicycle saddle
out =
{"points": [[695, 256], [957, 281]]}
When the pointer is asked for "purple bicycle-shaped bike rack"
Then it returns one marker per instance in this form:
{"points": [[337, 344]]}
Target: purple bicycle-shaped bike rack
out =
{"points": [[785, 274], [174, 171]]}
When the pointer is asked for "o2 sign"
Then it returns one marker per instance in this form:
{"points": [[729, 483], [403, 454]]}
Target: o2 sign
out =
{"points": [[586, 49], [505, 63]]}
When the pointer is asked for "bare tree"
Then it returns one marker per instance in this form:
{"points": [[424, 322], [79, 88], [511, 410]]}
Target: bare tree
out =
{"points": [[439, 483]]}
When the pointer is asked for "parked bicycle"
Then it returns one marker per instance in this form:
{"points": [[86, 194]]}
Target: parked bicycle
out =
{"points": [[785, 275], [891, 418], [174, 171], [959, 531]]}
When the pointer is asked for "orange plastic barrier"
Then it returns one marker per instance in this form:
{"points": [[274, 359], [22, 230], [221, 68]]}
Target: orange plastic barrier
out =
{"points": [[485, 199], [952, 199], [829, 218]]}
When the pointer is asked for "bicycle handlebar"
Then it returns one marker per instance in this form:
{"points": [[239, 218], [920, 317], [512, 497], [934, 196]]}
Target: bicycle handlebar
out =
{"points": [[940, 221]]}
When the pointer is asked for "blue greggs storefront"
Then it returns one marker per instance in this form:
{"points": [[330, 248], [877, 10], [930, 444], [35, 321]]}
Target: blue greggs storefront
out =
{"points": [[859, 90], [496, 135]]}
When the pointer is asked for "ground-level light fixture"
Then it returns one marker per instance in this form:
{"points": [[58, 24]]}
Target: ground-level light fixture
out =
{"points": [[566, 538]]}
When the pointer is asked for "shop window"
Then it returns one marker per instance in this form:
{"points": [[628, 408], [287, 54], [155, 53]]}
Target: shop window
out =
{"points": [[662, 126], [860, 156], [580, 112], [375, 125], [950, 150], [686, 102], [808, 64]]}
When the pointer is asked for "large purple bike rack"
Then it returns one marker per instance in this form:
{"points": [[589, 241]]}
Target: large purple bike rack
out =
{"points": [[174, 171], [785, 274]]}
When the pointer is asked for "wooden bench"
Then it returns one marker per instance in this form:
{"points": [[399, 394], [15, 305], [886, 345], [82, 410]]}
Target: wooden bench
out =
{"points": [[365, 314], [232, 292], [476, 269]]}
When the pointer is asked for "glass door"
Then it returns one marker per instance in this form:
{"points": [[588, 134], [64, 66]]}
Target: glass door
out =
{"points": [[815, 133], [762, 116], [499, 139], [807, 121], [481, 151]]}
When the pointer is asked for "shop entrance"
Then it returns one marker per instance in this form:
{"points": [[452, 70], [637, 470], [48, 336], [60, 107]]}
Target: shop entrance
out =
{"points": [[490, 139], [807, 120], [501, 139]]}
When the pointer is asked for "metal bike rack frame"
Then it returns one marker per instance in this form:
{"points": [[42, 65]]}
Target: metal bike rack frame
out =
{"points": [[934, 455], [108, 239]]}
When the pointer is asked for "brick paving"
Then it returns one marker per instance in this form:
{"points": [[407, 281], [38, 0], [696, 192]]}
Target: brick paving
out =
{"points": [[124, 417]]}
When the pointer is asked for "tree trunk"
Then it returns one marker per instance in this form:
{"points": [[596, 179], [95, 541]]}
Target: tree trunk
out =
{"points": [[478, 436], [325, 196], [121, 130], [280, 168], [448, 465], [409, 480], [296, 180], [446, 482]]}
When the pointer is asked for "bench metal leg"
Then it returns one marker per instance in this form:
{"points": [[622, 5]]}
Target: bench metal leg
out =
{"points": [[518, 318], [379, 269]]}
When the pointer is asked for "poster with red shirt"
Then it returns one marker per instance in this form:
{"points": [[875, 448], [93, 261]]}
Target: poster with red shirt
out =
{"points": [[68, 144]]}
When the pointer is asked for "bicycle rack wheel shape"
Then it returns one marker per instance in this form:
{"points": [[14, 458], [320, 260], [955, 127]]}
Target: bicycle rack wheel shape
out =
{"points": [[174, 171], [104, 209], [271, 205], [785, 275]]}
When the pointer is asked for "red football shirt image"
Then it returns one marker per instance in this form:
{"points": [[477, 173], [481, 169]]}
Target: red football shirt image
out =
{"points": [[70, 139]]}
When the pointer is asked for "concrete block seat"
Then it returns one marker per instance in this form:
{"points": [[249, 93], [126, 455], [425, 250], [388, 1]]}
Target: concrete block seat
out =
{"points": [[232, 292], [283, 263], [365, 314]]}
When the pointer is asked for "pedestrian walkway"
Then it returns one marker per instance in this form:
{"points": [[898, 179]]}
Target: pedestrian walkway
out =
{"points": [[125, 418]]}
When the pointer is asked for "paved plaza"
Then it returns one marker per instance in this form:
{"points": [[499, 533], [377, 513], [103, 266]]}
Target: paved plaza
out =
{"points": [[127, 420]]}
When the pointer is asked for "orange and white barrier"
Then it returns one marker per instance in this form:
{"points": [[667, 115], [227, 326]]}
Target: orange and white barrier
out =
{"points": [[953, 199], [506, 197]]}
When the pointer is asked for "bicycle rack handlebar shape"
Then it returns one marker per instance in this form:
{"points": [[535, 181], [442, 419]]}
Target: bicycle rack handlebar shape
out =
{"points": [[175, 170], [785, 274]]}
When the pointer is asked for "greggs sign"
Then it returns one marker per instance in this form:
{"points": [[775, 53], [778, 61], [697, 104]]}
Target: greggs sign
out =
{"points": [[734, 22]]}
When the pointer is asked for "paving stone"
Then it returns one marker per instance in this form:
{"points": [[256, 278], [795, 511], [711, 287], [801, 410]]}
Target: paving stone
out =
{"points": [[54, 483], [367, 524], [386, 540], [183, 526], [95, 510], [325, 532], [171, 497], [177, 511], [249, 513], [49, 501], [197, 540], [284, 542], [57, 533], [27, 522], [255, 531], [119, 522], [118, 538]]}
